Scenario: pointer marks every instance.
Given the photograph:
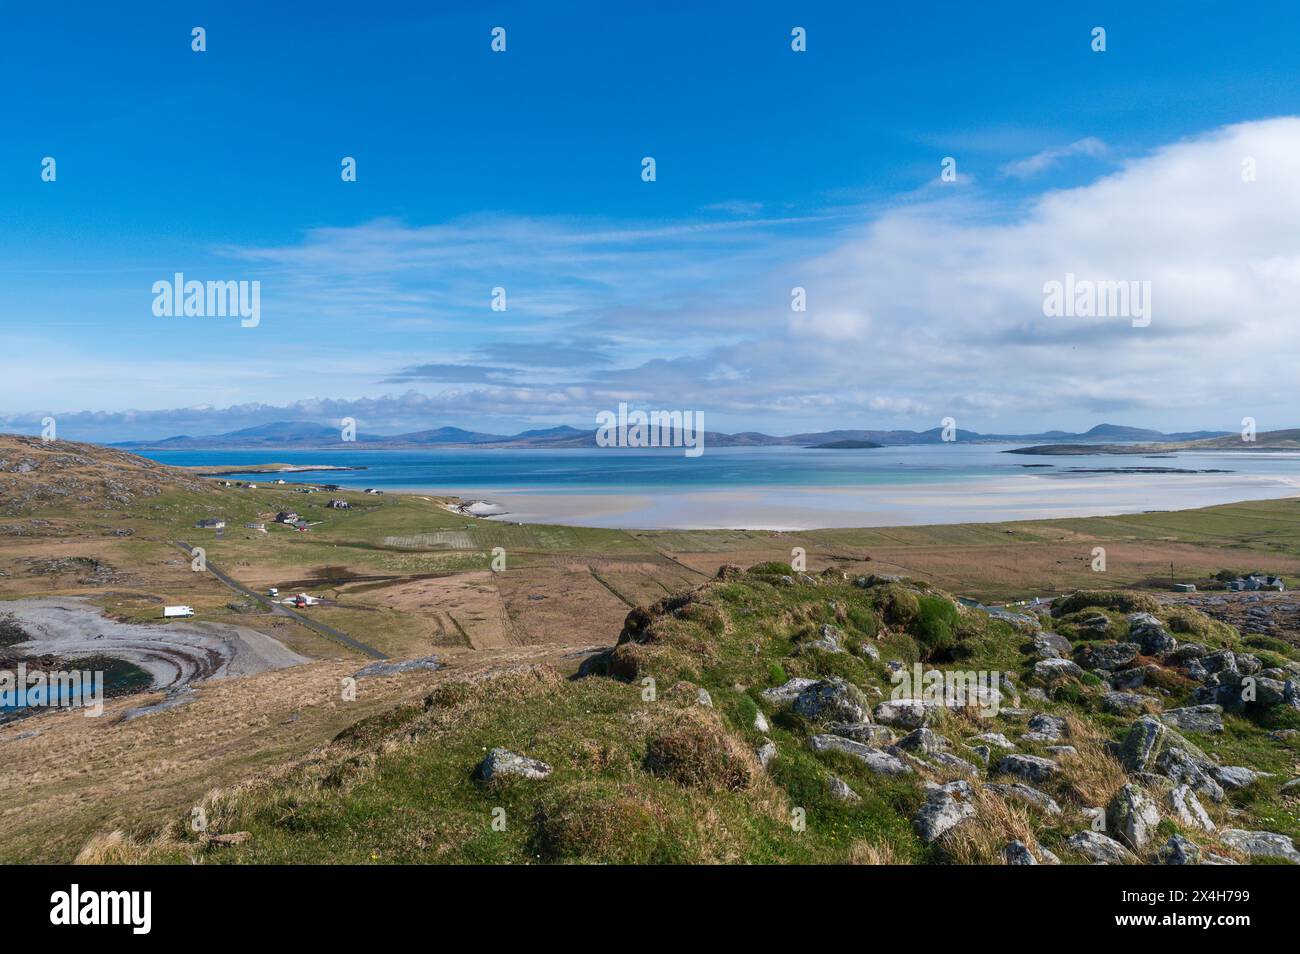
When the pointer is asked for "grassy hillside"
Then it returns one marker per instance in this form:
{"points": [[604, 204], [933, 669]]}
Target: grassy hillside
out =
{"points": [[647, 769]]}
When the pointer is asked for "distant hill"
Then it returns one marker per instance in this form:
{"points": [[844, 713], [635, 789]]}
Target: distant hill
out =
{"points": [[309, 436], [1264, 441], [845, 445]]}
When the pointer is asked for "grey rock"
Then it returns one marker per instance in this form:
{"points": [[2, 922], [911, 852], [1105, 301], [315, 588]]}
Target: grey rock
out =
{"points": [[904, 713], [1225, 660], [1095, 625], [1101, 848], [1062, 751], [1187, 808], [422, 664], [1029, 795], [1051, 646], [923, 740], [1236, 776], [1293, 785], [1260, 844], [1133, 816], [996, 739], [953, 763], [1049, 726], [761, 723], [1109, 656], [1267, 692], [828, 640], [1205, 718], [870, 651], [841, 791], [984, 753], [1049, 670], [832, 700], [877, 760], [788, 692], [945, 807], [1189, 651], [861, 732], [1183, 768], [1150, 634], [1140, 747], [703, 698], [766, 752], [502, 764], [1291, 694], [1179, 851], [1031, 768], [1018, 853]]}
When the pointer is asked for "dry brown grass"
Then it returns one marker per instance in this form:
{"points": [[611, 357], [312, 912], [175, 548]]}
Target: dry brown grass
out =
{"points": [[874, 853], [691, 747], [1093, 776], [980, 840]]}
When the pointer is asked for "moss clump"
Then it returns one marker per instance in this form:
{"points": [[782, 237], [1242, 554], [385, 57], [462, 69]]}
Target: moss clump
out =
{"points": [[935, 627], [1122, 601], [772, 568]]}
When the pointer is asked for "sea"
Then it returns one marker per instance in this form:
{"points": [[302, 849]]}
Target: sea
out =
{"points": [[783, 487]]}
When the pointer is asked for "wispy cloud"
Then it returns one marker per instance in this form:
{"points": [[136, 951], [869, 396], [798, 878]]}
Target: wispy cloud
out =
{"points": [[1040, 162]]}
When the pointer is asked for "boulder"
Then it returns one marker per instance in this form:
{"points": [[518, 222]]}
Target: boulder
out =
{"points": [[1187, 808], [1179, 851], [1029, 795], [861, 732], [766, 752], [1108, 655], [924, 741], [1101, 848], [840, 790], [1018, 853], [1031, 768], [1050, 727], [1236, 776], [1189, 651], [877, 760], [1051, 646], [503, 764], [788, 692], [1260, 844], [1225, 660], [946, 806], [1138, 751], [832, 700], [1093, 626], [1182, 768], [1150, 634], [703, 698], [996, 739], [953, 763], [1133, 816], [1132, 678], [828, 640], [1206, 718], [760, 723], [1050, 670], [870, 651], [904, 713]]}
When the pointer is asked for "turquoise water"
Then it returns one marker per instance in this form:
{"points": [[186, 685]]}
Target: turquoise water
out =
{"points": [[787, 487]]}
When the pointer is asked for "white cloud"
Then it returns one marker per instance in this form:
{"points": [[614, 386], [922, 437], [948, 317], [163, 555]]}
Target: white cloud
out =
{"points": [[1042, 161]]}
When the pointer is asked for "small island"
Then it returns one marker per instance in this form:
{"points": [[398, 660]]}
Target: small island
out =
{"points": [[845, 445]]}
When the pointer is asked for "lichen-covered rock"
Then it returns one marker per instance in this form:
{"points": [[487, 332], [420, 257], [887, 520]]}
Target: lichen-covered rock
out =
{"points": [[877, 760], [504, 764], [923, 740], [1187, 808], [1049, 727], [1018, 853], [1133, 816], [1236, 776], [1138, 751], [1126, 703], [1150, 634], [840, 790], [787, 692], [1050, 670], [1020, 792], [861, 732], [832, 700], [946, 806], [904, 713], [766, 753], [1101, 848], [1108, 656], [1205, 718], [1031, 768], [1179, 851], [1260, 844]]}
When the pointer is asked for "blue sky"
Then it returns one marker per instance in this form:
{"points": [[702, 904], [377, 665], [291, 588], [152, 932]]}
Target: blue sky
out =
{"points": [[522, 170]]}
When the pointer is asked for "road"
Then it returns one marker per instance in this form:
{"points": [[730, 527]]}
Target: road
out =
{"points": [[329, 632]]}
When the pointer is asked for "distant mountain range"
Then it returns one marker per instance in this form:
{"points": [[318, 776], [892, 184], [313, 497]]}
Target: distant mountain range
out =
{"points": [[291, 435]]}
